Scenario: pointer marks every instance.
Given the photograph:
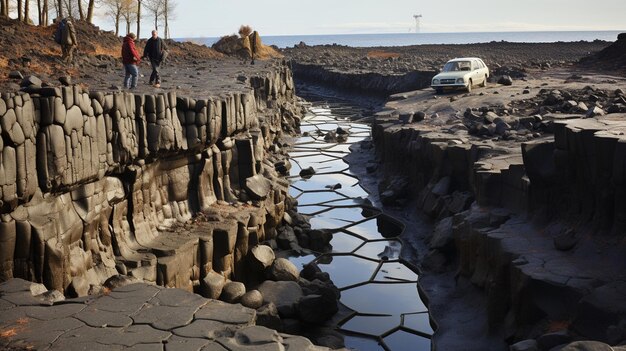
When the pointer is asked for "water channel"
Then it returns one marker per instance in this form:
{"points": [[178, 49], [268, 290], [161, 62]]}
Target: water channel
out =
{"points": [[365, 263]]}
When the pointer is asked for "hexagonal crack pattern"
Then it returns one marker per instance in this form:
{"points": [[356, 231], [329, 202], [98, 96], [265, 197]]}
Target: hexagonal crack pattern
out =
{"points": [[365, 261]]}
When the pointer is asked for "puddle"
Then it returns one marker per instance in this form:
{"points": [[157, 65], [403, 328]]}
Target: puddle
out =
{"points": [[371, 325], [385, 250], [345, 243], [419, 322], [395, 298], [364, 260], [319, 197], [348, 270], [394, 272], [402, 340]]}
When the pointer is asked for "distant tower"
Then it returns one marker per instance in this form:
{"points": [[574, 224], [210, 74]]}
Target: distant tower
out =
{"points": [[418, 19]]}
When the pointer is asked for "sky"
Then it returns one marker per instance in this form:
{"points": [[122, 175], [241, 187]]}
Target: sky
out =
{"points": [[214, 18]]}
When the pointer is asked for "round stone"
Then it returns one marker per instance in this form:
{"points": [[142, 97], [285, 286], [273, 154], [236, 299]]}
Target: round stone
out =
{"points": [[232, 292], [252, 299]]}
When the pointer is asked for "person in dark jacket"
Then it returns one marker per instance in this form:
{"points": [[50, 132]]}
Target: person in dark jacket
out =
{"points": [[130, 59], [155, 50], [68, 40]]}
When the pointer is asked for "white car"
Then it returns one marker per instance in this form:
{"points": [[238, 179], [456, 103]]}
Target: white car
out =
{"points": [[461, 73]]}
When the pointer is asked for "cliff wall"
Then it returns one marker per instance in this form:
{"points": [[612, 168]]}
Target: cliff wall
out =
{"points": [[93, 184]]}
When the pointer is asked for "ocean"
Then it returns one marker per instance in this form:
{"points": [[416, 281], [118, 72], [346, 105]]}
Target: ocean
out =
{"points": [[405, 39]]}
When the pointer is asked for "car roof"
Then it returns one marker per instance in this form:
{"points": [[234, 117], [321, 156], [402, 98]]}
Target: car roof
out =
{"points": [[464, 59]]}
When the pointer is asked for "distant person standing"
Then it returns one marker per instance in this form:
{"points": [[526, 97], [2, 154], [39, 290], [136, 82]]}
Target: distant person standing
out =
{"points": [[130, 59], [66, 36], [155, 50]]}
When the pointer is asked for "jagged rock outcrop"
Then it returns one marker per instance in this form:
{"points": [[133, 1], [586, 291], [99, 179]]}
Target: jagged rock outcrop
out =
{"points": [[93, 184], [529, 224]]}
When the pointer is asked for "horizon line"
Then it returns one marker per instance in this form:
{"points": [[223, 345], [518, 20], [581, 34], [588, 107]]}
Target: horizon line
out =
{"points": [[407, 33]]}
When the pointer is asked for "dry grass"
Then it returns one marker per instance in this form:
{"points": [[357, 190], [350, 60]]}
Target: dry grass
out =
{"points": [[267, 52], [382, 54], [102, 50], [245, 30]]}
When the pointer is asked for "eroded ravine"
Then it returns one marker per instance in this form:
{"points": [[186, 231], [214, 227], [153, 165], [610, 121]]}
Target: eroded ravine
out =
{"points": [[364, 262]]}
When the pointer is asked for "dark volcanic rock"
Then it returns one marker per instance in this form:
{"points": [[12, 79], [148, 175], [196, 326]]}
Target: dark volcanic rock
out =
{"points": [[316, 309], [16, 75], [505, 80], [307, 172]]}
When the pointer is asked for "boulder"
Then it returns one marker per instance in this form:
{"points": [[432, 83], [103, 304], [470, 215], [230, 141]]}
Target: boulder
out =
{"points": [[267, 316], [16, 75], [31, 80], [283, 270], [252, 299], [284, 295], [307, 172], [505, 80], [258, 187], [212, 285], [418, 116], [261, 257], [316, 309], [286, 237], [233, 292], [566, 241]]}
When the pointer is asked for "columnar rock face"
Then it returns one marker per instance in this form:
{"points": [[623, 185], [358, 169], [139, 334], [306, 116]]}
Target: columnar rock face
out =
{"points": [[96, 184], [550, 268]]}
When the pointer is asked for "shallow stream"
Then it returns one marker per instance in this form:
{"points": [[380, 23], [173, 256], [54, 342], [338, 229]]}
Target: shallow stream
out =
{"points": [[365, 261]]}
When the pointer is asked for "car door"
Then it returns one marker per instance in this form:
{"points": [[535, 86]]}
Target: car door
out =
{"points": [[476, 73], [480, 72]]}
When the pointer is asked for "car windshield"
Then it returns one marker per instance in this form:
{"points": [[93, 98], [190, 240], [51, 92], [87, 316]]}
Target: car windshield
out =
{"points": [[454, 66]]}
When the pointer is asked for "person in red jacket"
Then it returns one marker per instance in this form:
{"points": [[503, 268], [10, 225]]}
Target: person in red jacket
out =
{"points": [[130, 59]]}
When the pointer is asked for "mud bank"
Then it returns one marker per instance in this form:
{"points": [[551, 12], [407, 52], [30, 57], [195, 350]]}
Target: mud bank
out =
{"points": [[363, 82], [96, 183]]}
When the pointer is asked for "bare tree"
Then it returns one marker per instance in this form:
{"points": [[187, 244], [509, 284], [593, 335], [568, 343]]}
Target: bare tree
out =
{"points": [[113, 10], [155, 7], [161, 10], [59, 6], [169, 8], [138, 18], [4, 7], [81, 13], [90, 8], [129, 12], [20, 15], [27, 11], [44, 13]]}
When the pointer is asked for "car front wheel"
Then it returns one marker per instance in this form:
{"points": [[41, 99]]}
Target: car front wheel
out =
{"points": [[469, 86]]}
